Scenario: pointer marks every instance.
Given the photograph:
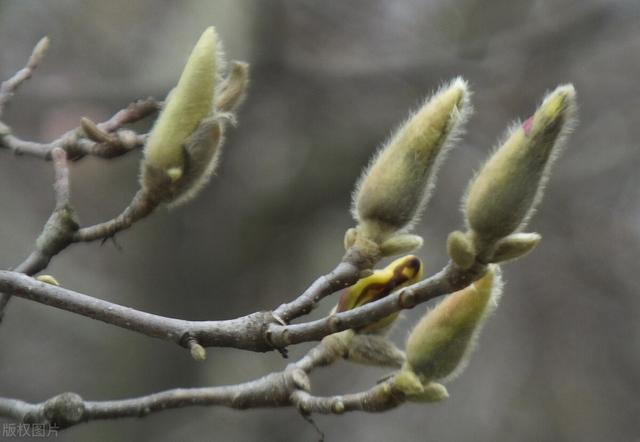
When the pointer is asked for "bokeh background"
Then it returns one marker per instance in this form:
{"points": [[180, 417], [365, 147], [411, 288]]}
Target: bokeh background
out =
{"points": [[560, 361]]}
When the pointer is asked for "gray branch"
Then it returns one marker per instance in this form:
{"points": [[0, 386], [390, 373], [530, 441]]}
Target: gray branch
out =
{"points": [[259, 331], [288, 388]]}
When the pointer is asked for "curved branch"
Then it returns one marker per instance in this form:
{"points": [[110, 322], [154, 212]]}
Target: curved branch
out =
{"points": [[282, 389], [77, 146], [141, 206], [256, 332], [68, 409], [448, 280], [343, 275], [56, 234]]}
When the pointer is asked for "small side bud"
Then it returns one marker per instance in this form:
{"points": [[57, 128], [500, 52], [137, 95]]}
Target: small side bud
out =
{"points": [[350, 237], [400, 273], [439, 345], [40, 49], [433, 392], [407, 382], [197, 351], [503, 195], [94, 133], [400, 244], [168, 170], [48, 279], [394, 189], [514, 246], [460, 249]]}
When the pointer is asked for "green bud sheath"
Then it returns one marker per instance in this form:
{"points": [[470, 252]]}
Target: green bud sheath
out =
{"points": [[187, 106], [437, 347], [503, 195], [394, 189], [514, 246]]}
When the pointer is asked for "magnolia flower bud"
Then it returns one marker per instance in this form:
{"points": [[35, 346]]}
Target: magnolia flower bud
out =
{"points": [[169, 169], [394, 189], [400, 273], [503, 195], [440, 343]]}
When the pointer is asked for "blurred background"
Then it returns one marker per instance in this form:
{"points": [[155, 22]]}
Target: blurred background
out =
{"points": [[559, 361]]}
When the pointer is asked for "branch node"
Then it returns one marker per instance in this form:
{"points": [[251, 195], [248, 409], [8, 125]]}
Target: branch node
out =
{"points": [[334, 323], [65, 409], [407, 299], [300, 379], [278, 318], [337, 406]]}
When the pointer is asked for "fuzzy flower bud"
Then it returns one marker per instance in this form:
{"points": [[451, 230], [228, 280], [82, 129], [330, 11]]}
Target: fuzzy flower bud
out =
{"points": [[393, 191], [504, 194], [440, 343], [183, 143], [400, 273]]}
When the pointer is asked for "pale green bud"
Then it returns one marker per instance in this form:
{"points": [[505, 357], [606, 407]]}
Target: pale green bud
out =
{"points": [[168, 170], [432, 392], [40, 49], [460, 249], [48, 279], [514, 246], [197, 351], [400, 244], [408, 383], [394, 189], [505, 192], [439, 345]]}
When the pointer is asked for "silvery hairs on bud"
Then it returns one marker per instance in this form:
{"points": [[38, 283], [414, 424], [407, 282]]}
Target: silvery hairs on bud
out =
{"points": [[394, 189], [504, 193]]}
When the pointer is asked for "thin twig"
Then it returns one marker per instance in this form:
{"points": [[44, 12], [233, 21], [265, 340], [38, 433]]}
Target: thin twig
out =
{"points": [[448, 280], [77, 146], [283, 389], [141, 206], [58, 230], [345, 274], [9, 87]]}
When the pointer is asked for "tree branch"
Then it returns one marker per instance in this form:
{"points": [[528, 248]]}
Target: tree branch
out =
{"points": [[57, 231], [141, 206], [76, 143], [343, 275], [283, 389], [256, 332]]}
